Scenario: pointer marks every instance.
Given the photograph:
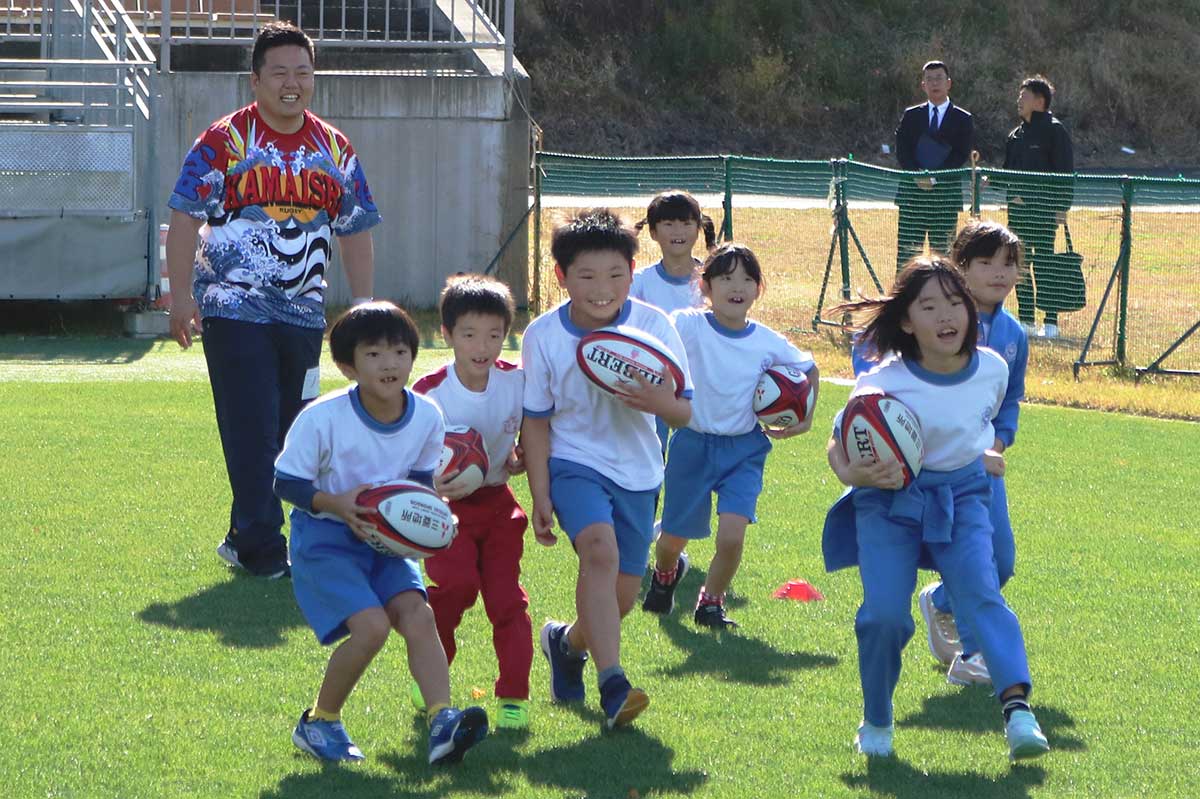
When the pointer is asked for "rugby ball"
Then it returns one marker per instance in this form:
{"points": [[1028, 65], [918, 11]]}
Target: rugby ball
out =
{"points": [[410, 520], [784, 396], [463, 451], [877, 427], [610, 356]]}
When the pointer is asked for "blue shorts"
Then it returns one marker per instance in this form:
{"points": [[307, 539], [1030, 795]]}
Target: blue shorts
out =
{"points": [[335, 575], [699, 465], [583, 497]]}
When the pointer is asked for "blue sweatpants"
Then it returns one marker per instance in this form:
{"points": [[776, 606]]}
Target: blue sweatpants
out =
{"points": [[1004, 550], [257, 373], [947, 513]]}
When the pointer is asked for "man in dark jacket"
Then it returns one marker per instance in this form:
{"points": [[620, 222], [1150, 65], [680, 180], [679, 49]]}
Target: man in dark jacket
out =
{"points": [[933, 135], [1037, 205]]}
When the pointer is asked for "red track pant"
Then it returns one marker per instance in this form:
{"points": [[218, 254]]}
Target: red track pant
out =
{"points": [[485, 558]]}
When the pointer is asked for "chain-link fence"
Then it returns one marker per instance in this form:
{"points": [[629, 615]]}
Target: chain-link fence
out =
{"points": [[1119, 283]]}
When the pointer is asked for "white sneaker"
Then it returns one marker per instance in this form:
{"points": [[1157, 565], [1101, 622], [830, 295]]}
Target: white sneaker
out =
{"points": [[940, 628], [971, 670], [1048, 331], [874, 741]]}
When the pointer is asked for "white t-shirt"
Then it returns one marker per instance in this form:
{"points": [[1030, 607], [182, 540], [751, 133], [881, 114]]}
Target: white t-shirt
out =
{"points": [[656, 286], [587, 425], [726, 365], [955, 411], [495, 412], [337, 445]]}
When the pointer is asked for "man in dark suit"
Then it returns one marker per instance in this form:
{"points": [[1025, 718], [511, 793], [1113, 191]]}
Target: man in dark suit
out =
{"points": [[933, 135]]}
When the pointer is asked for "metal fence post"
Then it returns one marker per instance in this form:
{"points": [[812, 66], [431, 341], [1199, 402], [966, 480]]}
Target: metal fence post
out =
{"points": [[1126, 247], [508, 37], [727, 202], [164, 37], [537, 234], [843, 227]]}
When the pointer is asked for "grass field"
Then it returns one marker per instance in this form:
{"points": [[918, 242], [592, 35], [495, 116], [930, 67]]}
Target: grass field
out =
{"points": [[1164, 295], [136, 665]]}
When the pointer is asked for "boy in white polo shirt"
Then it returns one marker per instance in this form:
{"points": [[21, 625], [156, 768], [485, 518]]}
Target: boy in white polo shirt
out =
{"points": [[594, 459]]}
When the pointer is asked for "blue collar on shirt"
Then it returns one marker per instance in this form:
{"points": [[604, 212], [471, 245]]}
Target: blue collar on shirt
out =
{"points": [[564, 316], [669, 278], [711, 318], [954, 379], [374, 424]]}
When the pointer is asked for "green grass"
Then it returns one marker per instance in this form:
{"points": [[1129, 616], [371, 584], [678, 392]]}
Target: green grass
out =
{"points": [[136, 665]]}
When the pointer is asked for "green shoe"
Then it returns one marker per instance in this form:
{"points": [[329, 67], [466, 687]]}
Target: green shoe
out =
{"points": [[513, 715], [418, 701], [1025, 738]]}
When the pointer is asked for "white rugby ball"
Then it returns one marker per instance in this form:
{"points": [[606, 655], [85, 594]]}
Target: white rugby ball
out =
{"points": [[784, 396], [410, 520], [610, 356], [877, 427], [464, 451]]}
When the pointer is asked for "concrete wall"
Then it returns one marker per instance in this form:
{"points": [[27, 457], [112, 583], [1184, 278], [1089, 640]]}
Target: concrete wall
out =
{"points": [[446, 155]]}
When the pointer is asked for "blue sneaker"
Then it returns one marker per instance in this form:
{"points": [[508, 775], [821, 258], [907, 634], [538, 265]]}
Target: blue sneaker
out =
{"points": [[621, 703], [326, 740], [874, 741], [566, 671], [1025, 738], [455, 731]]}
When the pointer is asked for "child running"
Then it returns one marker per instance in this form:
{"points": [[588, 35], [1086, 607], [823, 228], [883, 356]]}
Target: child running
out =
{"points": [[373, 432], [723, 449], [675, 221], [927, 330], [480, 391], [990, 257], [593, 458]]}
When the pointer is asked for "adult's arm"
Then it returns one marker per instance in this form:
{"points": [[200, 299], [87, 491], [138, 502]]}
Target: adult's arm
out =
{"points": [[181, 250], [906, 142], [358, 260]]}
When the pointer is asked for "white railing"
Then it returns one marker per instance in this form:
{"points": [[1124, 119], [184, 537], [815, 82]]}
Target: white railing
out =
{"points": [[88, 91]]}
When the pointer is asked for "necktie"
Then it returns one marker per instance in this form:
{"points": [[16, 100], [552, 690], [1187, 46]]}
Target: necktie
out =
{"points": [[933, 120]]}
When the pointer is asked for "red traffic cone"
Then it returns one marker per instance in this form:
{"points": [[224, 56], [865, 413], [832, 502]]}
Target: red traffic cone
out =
{"points": [[799, 590]]}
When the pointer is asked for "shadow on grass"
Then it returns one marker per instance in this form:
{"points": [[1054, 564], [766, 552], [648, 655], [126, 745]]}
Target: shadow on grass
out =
{"points": [[731, 655], [606, 764], [74, 349], [243, 611], [893, 777], [976, 710]]}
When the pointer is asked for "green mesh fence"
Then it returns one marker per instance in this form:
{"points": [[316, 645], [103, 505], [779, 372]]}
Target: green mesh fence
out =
{"points": [[1124, 290]]}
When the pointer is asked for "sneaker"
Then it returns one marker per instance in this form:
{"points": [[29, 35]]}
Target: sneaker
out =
{"points": [[326, 740], [566, 671], [969, 670], [414, 696], [455, 731], [514, 714], [713, 616], [271, 571], [621, 703], [1025, 738], [1031, 330], [1048, 331], [940, 627], [660, 597], [874, 741]]}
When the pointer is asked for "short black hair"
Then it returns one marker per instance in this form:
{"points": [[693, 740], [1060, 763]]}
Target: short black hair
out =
{"points": [[983, 239], [724, 259], [466, 293], [1040, 86], [278, 34], [371, 322], [935, 65], [592, 230]]}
